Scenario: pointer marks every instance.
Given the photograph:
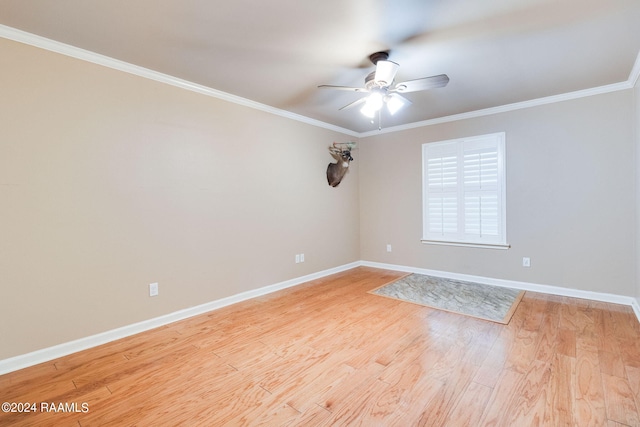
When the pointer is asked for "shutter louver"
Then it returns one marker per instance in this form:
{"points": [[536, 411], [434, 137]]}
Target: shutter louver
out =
{"points": [[442, 183], [480, 172]]}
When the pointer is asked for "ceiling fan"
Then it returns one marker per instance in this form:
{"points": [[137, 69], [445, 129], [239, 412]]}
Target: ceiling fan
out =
{"points": [[381, 92]]}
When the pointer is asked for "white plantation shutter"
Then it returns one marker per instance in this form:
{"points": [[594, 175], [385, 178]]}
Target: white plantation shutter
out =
{"points": [[464, 189], [442, 180]]}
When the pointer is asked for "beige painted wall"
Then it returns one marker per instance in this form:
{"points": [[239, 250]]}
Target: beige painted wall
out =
{"points": [[109, 182], [570, 196]]}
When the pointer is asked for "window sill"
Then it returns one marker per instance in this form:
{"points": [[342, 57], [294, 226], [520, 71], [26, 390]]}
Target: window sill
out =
{"points": [[467, 245]]}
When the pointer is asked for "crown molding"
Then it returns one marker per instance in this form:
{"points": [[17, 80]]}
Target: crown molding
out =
{"points": [[106, 61], [510, 107], [635, 72], [634, 75]]}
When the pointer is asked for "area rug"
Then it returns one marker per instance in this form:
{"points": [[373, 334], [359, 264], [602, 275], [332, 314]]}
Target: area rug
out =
{"points": [[493, 303]]}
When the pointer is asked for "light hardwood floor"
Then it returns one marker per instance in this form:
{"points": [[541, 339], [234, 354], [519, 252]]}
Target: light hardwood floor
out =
{"points": [[329, 353]]}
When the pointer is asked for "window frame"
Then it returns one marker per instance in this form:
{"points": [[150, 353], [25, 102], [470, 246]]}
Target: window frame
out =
{"points": [[461, 146]]}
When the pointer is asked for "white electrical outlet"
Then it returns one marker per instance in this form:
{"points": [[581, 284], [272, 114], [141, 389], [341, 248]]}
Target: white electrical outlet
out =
{"points": [[301, 257], [526, 262], [388, 248], [297, 258], [153, 289]]}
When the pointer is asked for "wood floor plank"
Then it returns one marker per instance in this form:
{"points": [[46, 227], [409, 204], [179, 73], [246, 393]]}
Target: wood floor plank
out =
{"points": [[329, 353], [338, 396], [469, 408], [40, 372], [610, 341], [410, 403], [624, 328], [569, 315], [531, 398], [560, 392], [630, 351], [535, 315], [633, 375], [548, 336], [361, 407], [388, 354], [406, 398], [422, 353], [504, 352], [303, 393], [524, 350], [491, 368], [589, 396], [454, 384], [611, 363], [503, 398], [566, 342], [620, 401], [315, 416]]}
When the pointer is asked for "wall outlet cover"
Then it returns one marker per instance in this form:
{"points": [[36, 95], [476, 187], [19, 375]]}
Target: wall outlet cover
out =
{"points": [[153, 289]]}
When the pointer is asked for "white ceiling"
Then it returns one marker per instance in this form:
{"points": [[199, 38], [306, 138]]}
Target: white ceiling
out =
{"points": [[277, 52]]}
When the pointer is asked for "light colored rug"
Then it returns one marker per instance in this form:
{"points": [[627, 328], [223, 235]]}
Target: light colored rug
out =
{"points": [[493, 303]]}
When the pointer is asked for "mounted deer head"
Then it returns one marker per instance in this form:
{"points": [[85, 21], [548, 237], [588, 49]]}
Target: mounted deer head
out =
{"points": [[342, 153]]}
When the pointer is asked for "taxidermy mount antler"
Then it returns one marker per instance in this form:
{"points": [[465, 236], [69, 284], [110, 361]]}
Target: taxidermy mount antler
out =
{"points": [[341, 151]]}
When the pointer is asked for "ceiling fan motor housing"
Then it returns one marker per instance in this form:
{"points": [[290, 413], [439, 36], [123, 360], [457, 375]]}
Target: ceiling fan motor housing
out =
{"points": [[370, 81], [375, 57]]}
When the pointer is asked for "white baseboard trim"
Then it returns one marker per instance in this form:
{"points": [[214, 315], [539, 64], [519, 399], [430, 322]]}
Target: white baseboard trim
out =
{"points": [[526, 286], [635, 304], [60, 350]]}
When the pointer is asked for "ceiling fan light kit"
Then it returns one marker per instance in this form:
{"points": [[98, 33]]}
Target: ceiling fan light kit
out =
{"points": [[372, 104], [395, 103], [379, 86], [375, 101]]}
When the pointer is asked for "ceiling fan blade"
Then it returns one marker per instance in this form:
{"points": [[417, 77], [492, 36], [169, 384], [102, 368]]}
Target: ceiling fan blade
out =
{"points": [[354, 103], [385, 72], [425, 83], [347, 88]]}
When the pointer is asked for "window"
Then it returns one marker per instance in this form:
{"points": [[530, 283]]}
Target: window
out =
{"points": [[464, 191]]}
